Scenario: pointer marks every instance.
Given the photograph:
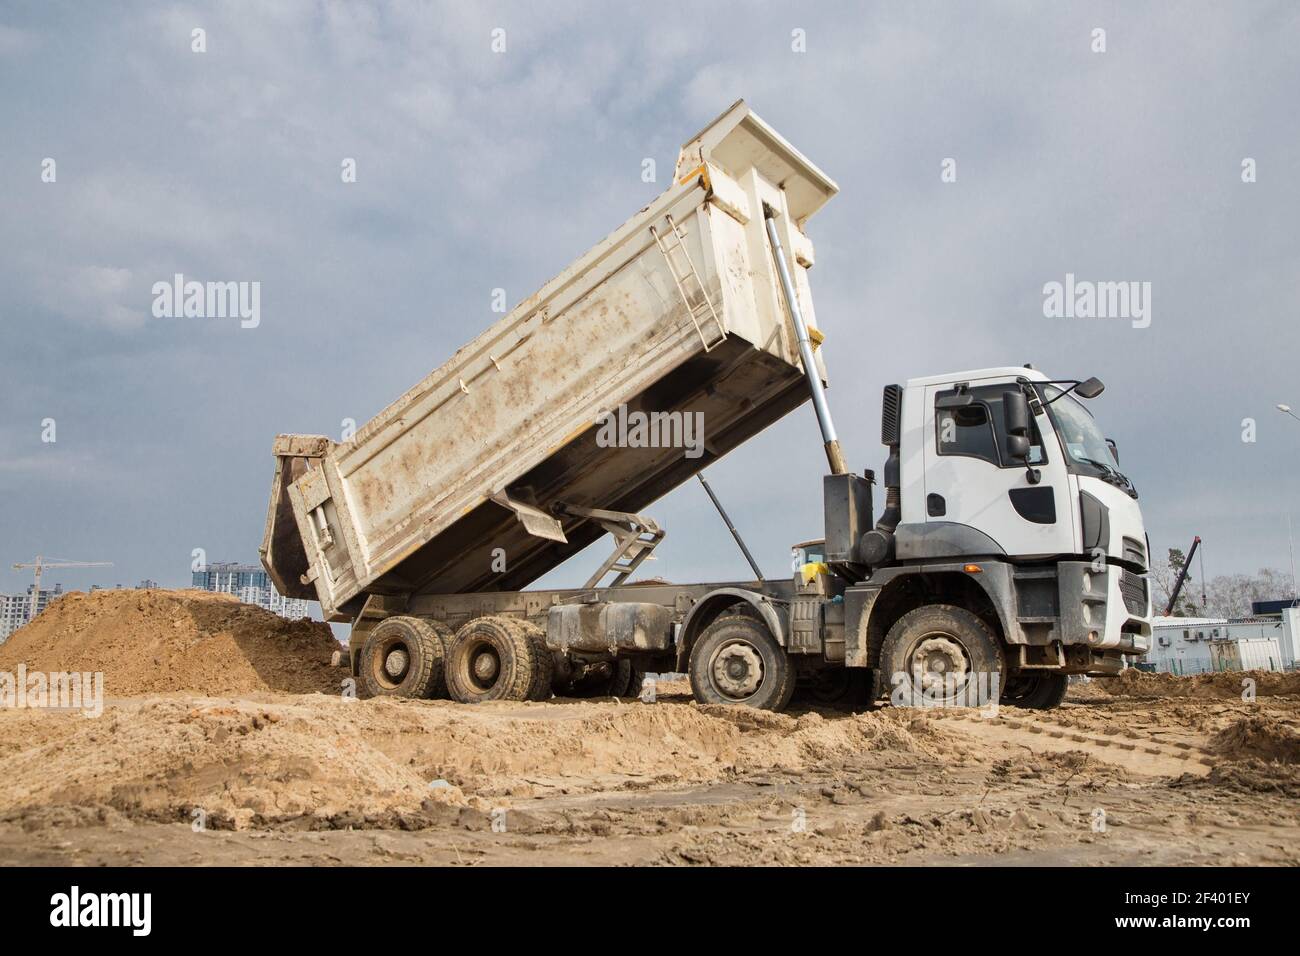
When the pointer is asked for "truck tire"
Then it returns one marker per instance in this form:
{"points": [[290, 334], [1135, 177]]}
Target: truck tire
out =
{"points": [[492, 659], [635, 679], [836, 688], [612, 679], [938, 655], [402, 657], [737, 661], [544, 674], [438, 690], [1036, 690]]}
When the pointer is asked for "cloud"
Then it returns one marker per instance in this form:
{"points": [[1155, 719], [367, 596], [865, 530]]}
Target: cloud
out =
{"points": [[15, 42], [478, 170]]}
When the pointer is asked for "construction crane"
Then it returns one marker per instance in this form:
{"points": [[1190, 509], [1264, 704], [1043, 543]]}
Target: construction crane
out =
{"points": [[40, 564], [1182, 578]]}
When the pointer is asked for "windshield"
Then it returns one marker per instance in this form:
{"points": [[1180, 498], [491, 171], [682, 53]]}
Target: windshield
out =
{"points": [[810, 552], [1079, 433], [1082, 439]]}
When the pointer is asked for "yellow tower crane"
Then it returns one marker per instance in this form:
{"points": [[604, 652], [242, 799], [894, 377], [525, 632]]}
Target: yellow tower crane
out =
{"points": [[40, 564]]}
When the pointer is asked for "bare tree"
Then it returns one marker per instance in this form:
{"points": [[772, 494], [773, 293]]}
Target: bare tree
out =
{"points": [[1231, 595]]}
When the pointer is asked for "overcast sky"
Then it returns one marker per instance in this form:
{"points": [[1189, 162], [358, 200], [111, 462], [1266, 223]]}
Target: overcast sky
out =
{"points": [[478, 170]]}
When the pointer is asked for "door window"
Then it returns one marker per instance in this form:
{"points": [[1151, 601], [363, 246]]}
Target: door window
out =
{"points": [[978, 430], [966, 431]]}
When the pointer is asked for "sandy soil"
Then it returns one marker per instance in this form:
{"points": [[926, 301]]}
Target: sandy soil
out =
{"points": [[155, 641], [267, 777], [317, 779]]}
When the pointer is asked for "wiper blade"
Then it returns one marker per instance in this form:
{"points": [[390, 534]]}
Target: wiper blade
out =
{"points": [[1100, 464], [1112, 475]]}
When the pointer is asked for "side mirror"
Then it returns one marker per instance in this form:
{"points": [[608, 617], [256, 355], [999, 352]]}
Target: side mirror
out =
{"points": [[1114, 449], [1015, 416], [1090, 388]]}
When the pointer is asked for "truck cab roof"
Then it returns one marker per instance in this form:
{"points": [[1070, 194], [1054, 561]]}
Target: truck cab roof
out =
{"points": [[973, 375]]}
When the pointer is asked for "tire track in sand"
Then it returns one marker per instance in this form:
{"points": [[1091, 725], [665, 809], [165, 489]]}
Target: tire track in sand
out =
{"points": [[1040, 734]]}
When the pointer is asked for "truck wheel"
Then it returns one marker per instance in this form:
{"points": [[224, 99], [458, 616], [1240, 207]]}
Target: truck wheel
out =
{"points": [[635, 680], [1037, 690], [839, 688], [544, 674], [606, 679], [490, 658], [938, 655], [402, 657], [438, 690], [738, 661]]}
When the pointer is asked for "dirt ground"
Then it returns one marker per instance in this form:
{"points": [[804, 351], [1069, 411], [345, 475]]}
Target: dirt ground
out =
{"points": [[1139, 770]]}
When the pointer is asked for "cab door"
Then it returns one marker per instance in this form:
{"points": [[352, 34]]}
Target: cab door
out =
{"points": [[969, 479]]}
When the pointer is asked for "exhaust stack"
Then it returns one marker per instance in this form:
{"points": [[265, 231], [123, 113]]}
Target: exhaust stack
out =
{"points": [[878, 544]]}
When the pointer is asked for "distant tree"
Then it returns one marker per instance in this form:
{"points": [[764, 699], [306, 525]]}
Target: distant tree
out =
{"points": [[1231, 595]]}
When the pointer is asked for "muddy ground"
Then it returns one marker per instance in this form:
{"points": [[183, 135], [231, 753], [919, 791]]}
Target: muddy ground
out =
{"points": [[1149, 771], [313, 779]]}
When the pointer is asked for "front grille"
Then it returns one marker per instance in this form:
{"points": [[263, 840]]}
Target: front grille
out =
{"points": [[1135, 552], [1133, 588]]}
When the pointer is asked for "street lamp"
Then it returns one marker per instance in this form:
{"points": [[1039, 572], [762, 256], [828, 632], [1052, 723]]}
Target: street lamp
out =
{"points": [[1286, 410]]}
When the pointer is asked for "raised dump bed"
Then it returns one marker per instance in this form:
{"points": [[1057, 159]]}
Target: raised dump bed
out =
{"points": [[459, 485]]}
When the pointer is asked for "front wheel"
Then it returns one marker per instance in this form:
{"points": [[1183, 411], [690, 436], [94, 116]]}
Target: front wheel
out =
{"points": [[940, 655], [738, 661]]}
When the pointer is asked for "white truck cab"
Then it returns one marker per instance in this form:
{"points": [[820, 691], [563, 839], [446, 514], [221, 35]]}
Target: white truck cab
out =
{"points": [[1004, 500]]}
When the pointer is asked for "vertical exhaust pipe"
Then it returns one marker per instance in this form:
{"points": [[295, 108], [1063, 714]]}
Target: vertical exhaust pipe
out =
{"points": [[833, 454]]}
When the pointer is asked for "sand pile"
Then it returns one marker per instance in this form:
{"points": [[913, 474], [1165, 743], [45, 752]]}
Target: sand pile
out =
{"points": [[235, 762], [328, 762], [156, 641], [1225, 684], [1262, 737]]}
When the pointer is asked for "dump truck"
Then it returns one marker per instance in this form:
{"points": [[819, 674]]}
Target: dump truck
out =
{"points": [[1009, 553]]}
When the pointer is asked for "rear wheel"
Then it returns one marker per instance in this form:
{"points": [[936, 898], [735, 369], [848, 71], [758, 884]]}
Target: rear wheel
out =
{"points": [[603, 679], [402, 657], [939, 655], [438, 690], [1037, 690], [839, 688], [636, 679], [738, 661], [491, 658], [544, 674]]}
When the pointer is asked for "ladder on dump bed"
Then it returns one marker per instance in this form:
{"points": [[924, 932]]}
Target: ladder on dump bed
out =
{"points": [[689, 284], [635, 536]]}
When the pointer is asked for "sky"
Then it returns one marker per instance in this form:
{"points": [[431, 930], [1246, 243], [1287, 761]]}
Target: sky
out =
{"points": [[481, 168]]}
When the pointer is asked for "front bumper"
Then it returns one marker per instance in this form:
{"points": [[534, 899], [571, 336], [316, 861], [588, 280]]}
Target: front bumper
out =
{"points": [[1077, 604]]}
